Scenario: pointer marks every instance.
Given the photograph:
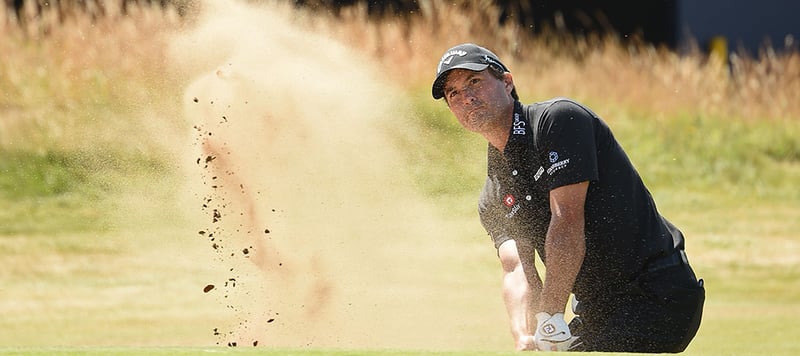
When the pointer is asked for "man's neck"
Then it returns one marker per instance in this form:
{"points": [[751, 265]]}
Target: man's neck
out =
{"points": [[498, 135]]}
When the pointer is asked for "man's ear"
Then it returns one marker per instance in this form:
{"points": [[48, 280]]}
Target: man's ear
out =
{"points": [[509, 82]]}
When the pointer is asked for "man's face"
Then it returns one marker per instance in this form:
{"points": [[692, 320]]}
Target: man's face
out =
{"points": [[478, 100]]}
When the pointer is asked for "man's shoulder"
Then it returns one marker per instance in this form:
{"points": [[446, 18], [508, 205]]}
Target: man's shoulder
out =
{"points": [[549, 111], [555, 100], [556, 104]]}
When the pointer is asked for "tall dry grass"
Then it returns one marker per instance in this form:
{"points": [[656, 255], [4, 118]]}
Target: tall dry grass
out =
{"points": [[64, 72], [604, 70], [67, 65]]}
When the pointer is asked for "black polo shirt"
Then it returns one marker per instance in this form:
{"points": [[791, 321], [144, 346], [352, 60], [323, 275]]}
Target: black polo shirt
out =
{"points": [[558, 143]]}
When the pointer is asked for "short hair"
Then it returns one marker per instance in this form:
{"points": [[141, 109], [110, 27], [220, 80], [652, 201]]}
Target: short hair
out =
{"points": [[498, 73]]}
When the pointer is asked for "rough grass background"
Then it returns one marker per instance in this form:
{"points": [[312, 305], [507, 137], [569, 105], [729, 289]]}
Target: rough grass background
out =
{"points": [[120, 135]]}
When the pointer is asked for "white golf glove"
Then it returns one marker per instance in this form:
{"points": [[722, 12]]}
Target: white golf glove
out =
{"points": [[552, 332]]}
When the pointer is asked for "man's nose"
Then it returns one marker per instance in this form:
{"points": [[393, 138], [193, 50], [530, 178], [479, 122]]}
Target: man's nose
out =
{"points": [[468, 96]]}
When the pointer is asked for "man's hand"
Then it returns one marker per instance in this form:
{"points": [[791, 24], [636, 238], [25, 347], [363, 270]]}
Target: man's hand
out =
{"points": [[526, 343], [552, 332]]}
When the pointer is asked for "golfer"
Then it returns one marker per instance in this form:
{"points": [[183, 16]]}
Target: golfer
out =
{"points": [[560, 185]]}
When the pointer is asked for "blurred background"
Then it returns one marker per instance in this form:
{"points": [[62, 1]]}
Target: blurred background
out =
{"points": [[276, 173]]}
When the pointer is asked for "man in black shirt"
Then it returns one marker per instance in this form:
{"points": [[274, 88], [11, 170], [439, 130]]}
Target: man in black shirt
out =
{"points": [[560, 185]]}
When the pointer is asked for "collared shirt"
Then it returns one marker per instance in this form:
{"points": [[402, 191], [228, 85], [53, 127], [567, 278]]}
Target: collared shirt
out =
{"points": [[558, 143]]}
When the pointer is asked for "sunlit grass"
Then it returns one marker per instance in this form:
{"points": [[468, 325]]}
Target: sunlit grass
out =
{"points": [[63, 80]]}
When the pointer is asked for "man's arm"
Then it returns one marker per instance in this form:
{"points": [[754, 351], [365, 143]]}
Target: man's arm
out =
{"points": [[521, 288], [565, 245]]}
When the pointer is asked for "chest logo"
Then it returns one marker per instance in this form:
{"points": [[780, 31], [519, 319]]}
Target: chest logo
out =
{"points": [[519, 125], [553, 156], [538, 174], [509, 200]]}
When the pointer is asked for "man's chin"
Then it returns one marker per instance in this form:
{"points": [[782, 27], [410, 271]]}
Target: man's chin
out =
{"points": [[476, 127], [478, 122]]}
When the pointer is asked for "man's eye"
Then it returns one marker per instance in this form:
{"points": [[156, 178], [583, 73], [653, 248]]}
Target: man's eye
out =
{"points": [[452, 94]]}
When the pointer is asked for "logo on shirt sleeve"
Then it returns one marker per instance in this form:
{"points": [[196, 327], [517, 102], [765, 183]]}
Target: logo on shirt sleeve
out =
{"points": [[509, 200]]}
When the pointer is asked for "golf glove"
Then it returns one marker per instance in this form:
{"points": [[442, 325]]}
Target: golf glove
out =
{"points": [[552, 332]]}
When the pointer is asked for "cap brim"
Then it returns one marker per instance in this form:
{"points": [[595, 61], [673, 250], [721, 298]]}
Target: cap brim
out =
{"points": [[438, 85]]}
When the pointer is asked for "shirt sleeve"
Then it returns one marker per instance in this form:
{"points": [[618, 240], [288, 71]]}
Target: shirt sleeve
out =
{"points": [[492, 213], [568, 144]]}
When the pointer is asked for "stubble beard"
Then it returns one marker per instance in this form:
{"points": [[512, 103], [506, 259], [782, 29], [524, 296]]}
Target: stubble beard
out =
{"points": [[476, 118], [480, 119]]}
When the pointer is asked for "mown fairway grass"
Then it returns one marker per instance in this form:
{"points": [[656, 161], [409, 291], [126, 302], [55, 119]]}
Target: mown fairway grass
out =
{"points": [[100, 254]]}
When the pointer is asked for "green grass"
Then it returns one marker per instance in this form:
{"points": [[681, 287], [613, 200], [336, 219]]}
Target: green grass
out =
{"points": [[63, 192], [704, 152]]}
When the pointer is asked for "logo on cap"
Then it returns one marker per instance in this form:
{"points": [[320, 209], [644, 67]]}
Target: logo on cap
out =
{"points": [[448, 57], [490, 60]]}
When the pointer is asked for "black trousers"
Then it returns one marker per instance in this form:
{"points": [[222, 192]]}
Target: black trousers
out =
{"points": [[660, 313]]}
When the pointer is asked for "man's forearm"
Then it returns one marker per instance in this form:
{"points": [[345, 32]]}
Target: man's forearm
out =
{"points": [[564, 246], [565, 249], [519, 299]]}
